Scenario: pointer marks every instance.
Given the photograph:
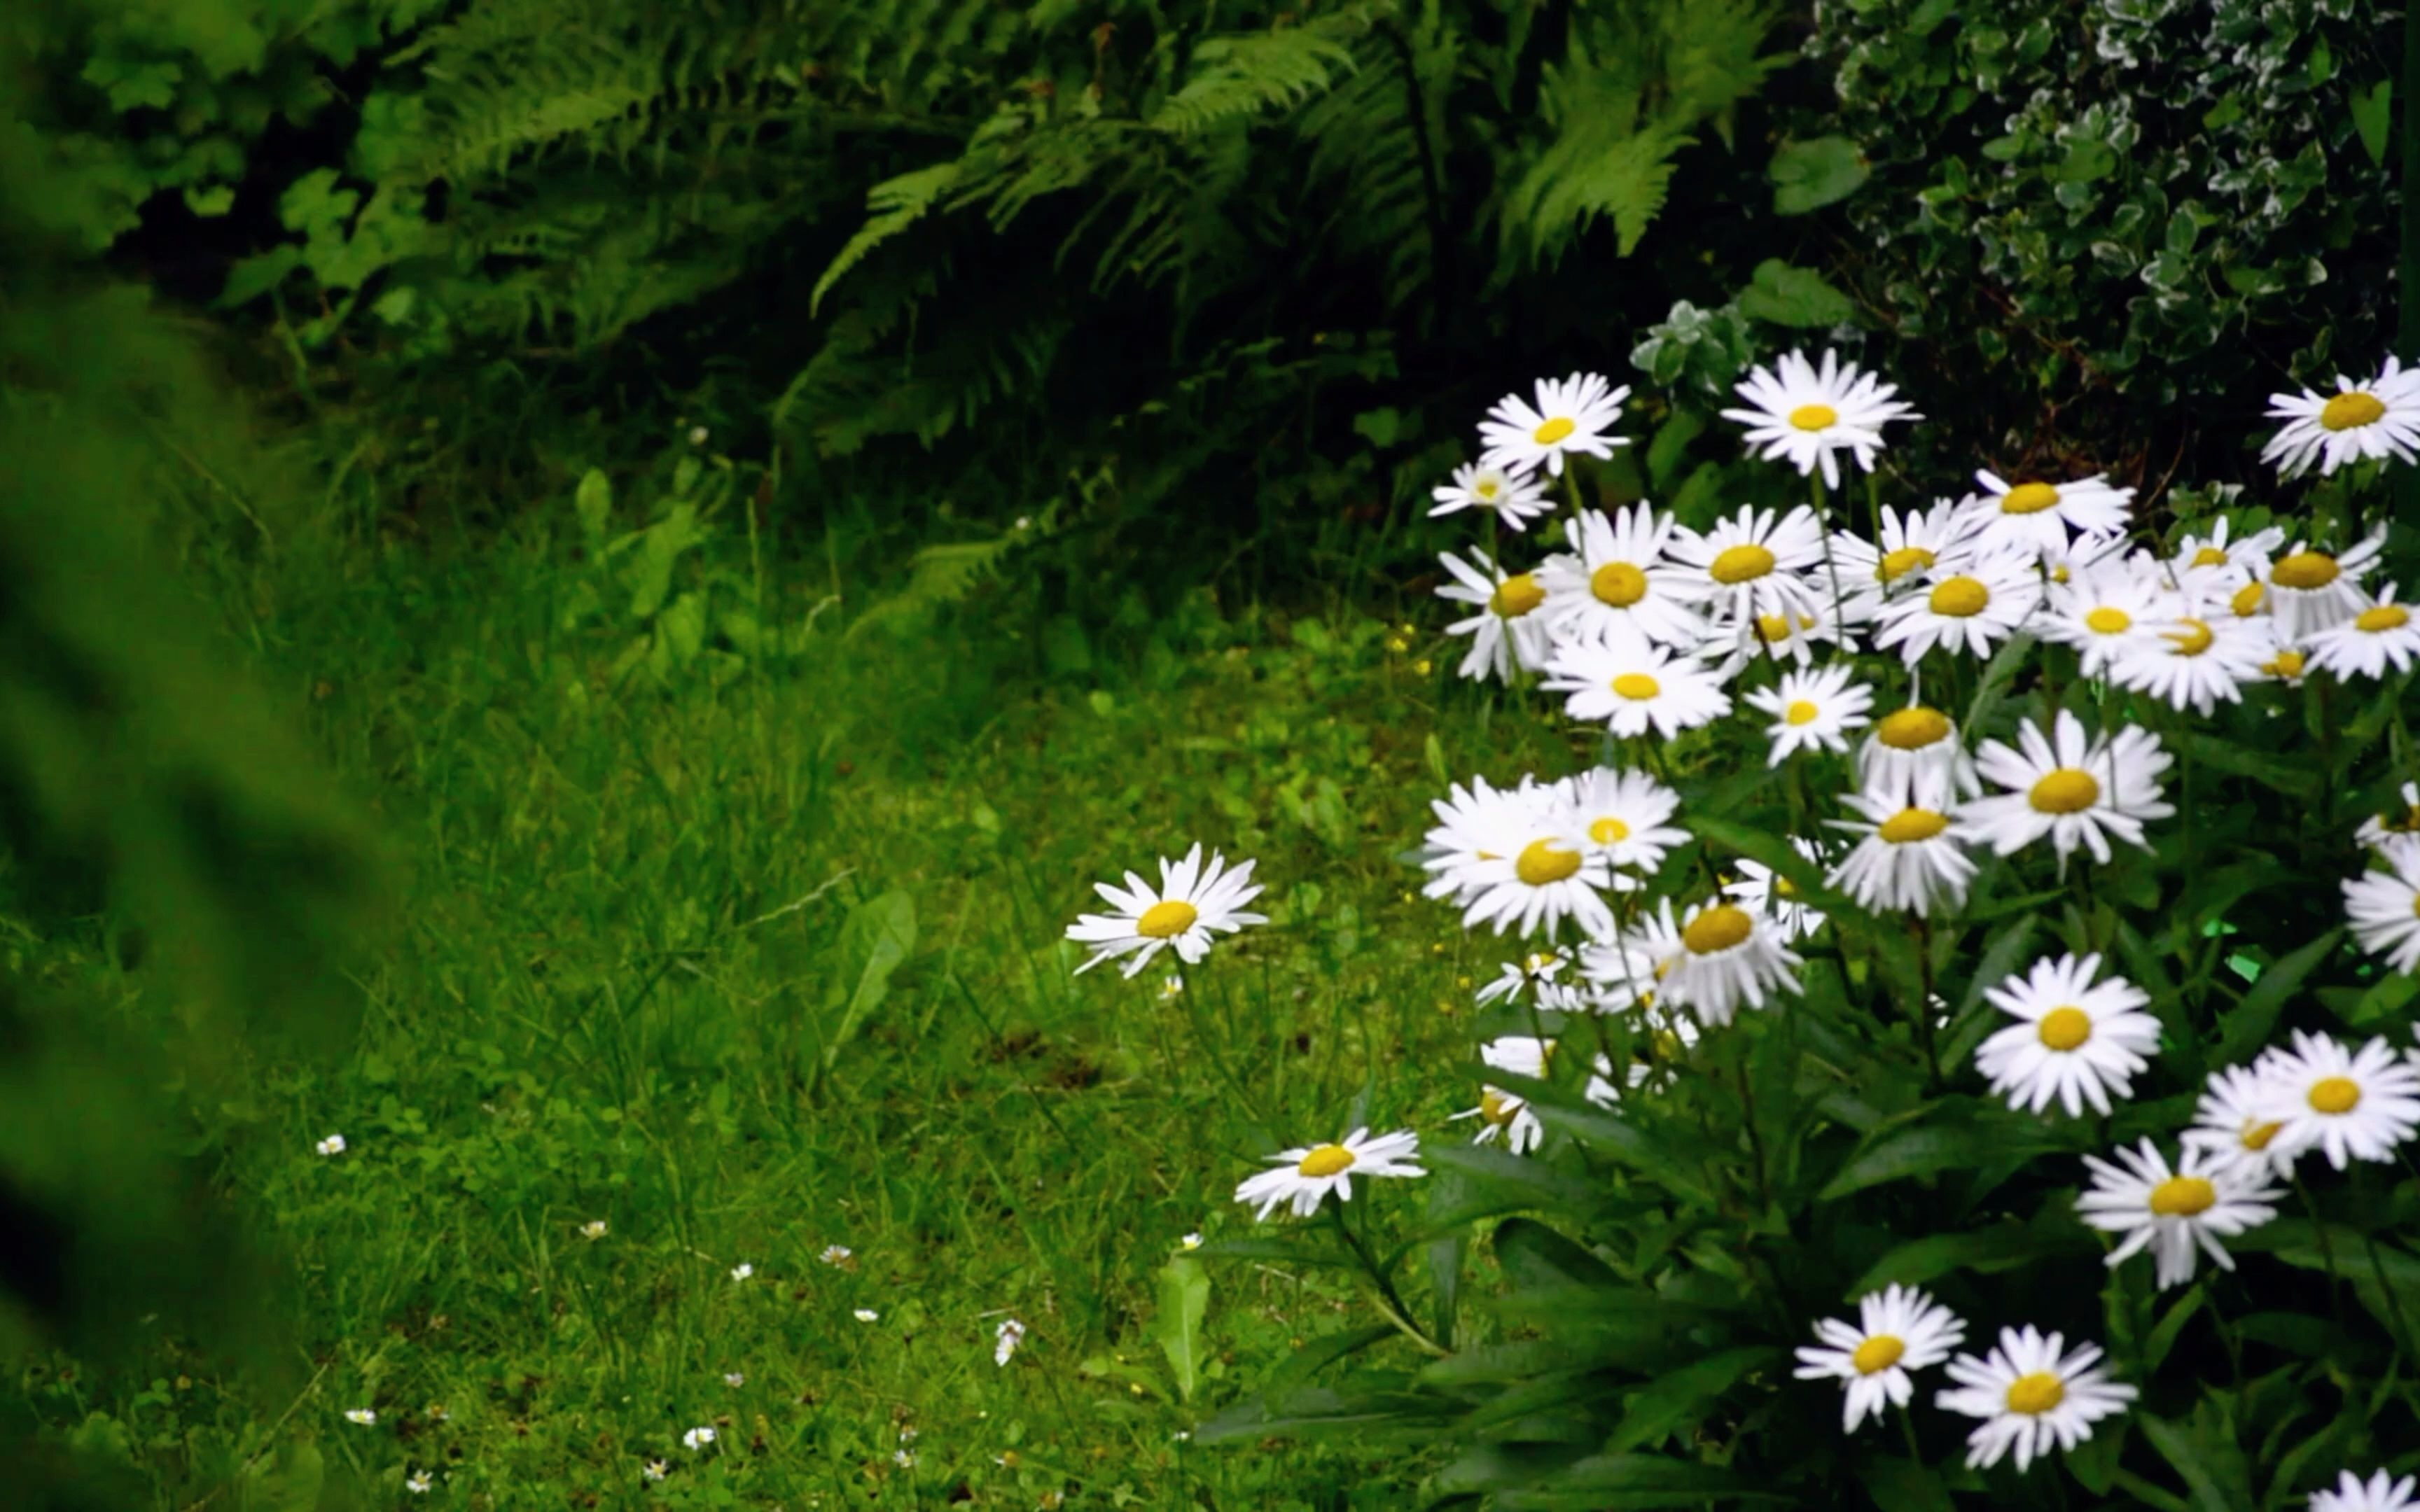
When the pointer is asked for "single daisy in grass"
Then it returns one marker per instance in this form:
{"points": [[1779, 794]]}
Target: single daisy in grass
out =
{"points": [[1303, 1176], [2176, 1213], [1192, 903], [2380, 1493], [1572, 414], [2037, 517], [1729, 957], [2076, 1041], [2380, 635], [1632, 684], [2403, 820], [2383, 905], [1911, 740], [2378, 419], [1624, 816], [1508, 630], [1523, 860], [1802, 414], [1899, 1329], [2077, 790], [2352, 1106], [1911, 851], [1515, 496], [1618, 580], [2031, 1394], [1813, 710], [2222, 557], [1532, 975], [1911, 544], [2105, 611], [2229, 1126], [1968, 606], [2196, 658], [2307, 591], [1753, 565], [1765, 890]]}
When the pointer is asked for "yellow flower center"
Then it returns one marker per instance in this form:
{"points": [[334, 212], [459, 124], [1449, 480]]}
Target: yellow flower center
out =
{"points": [[1540, 863], [2183, 1196], [1608, 831], [1552, 430], [2305, 570], [1739, 563], [2064, 1029], [2036, 1394], [1958, 598], [1619, 584], [1912, 728], [1166, 920], [1783, 887], [1485, 487], [2209, 556], [2287, 663], [1498, 1109], [2246, 600], [2107, 621], [1896, 564], [2256, 1135], [1718, 928], [2192, 639], [2334, 1094], [1517, 596], [2350, 411], [1800, 711], [2065, 790], [1909, 826], [1636, 687], [2380, 618], [1814, 416], [1880, 1352], [1325, 1160], [2028, 499], [1772, 628]]}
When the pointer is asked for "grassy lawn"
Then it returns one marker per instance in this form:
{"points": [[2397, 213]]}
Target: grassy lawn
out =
{"points": [[746, 969]]}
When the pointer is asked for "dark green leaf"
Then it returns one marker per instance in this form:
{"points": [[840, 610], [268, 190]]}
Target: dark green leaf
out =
{"points": [[2245, 1027], [1795, 296], [1807, 175], [2371, 111], [1904, 1485], [1671, 1401]]}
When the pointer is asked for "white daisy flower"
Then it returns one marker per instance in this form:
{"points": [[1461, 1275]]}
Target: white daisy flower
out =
{"points": [[361, 1415], [2307, 591], [1813, 710], [1502, 1114], [2378, 419], [735, 1379], [2351, 1106], [2380, 1493], [593, 1230], [2223, 558], [1761, 889], [1191, 1240], [418, 1482], [1911, 544], [1910, 852], [1574, 414], [2380, 829], [1754, 563], [2173, 1213], [2105, 611], [2036, 517], [2076, 1041], [1908, 742], [2030, 1395], [1171, 987], [2197, 659], [1971, 606], [655, 1470], [697, 1438], [1803, 415], [1515, 496], [1731, 646], [1191, 903], [1633, 685], [1508, 630], [2071, 789], [743, 1271], [2384, 907], [1005, 1339], [864, 1314], [1898, 1330], [2228, 1128], [835, 1254], [2364, 645], [1623, 972], [332, 1144], [1303, 1176], [1729, 956], [2084, 552], [1620, 579], [1525, 860], [1532, 974], [1623, 815]]}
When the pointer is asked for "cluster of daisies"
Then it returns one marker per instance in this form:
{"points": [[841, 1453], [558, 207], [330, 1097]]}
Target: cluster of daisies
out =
{"points": [[1652, 628]]}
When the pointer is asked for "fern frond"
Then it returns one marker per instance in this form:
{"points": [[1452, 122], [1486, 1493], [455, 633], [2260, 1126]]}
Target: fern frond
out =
{"points": [[1236, 78], [897, 203]]}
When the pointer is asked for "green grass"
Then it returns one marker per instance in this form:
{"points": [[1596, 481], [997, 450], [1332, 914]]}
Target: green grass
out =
{"points": [[631, 926]]}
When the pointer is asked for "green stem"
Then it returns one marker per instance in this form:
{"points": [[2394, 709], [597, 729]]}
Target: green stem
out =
{"points": [[1383, 1291]]}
